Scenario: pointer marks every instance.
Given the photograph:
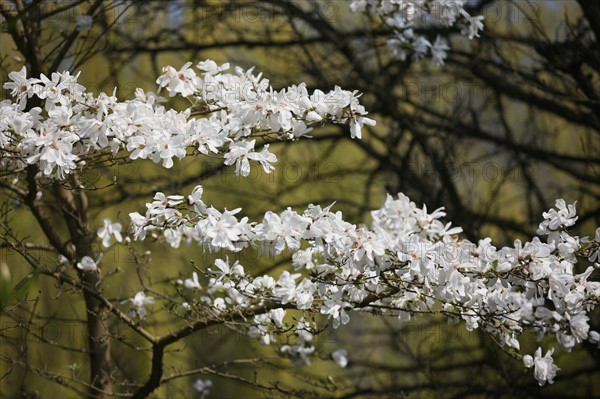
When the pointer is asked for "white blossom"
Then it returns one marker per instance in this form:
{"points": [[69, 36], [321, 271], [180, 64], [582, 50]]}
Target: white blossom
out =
{"points": [[408, 261], [438, 51], [192, 283], [544, 368], [563, 215], [407, 243], [203, 386], [229, 113], [108, 230], [405, 16], [139, 301], [340, 356], [87, 263]]}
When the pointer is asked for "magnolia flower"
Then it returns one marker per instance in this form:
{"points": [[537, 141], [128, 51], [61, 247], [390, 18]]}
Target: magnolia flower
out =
{"points": [[336, 311], [403, 16], [473, 26], [195, 199], [340, 356], [203, 386], [277, 316], [265, 158], [544, 367], [357, 124], [139, 301], [299, 354], [225, 269], [594, 255], [108, 230], [239, 154], [183, 81], [420, 46], [20, 86], [438, 51], [193, 282], [87, 263], [211, 67], [260, 329], [222, 230], [563, 215]]}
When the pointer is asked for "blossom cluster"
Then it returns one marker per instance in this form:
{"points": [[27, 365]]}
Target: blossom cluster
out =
{"points": [[404, 16], [407, 262], [231, 115]]}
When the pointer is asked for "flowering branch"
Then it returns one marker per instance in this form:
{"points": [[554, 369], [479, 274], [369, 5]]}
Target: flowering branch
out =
{"points": [[405, 15], [407, 262]]}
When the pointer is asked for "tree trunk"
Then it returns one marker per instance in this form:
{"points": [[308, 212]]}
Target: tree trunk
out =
{"points": [[98, 343], [74, 207]]}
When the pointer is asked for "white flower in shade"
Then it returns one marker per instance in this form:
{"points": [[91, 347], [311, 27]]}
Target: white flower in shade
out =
{"points": [[405, 17], [438, 51], [139, 225], [219, 304], [473, 26], [594, 255], [304, 294], [87, 263], [358, 5], [544, 367], [192, 282], [277, 316], [139, 301], [420, 46], [203, 386], [340, 356], [108, 230], [299, 353]]}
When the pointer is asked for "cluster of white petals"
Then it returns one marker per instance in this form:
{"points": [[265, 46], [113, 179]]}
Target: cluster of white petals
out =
{"points": [[407, 262], [203, 386], [232, 114], [404, 16], [138, 303], [544, 369], [108, 231]]}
